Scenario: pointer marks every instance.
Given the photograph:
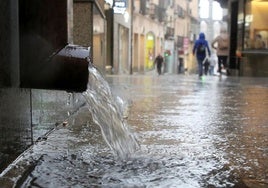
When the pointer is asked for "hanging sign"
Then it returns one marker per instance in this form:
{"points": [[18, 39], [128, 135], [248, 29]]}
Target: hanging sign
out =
{"points": [[120, 6]]}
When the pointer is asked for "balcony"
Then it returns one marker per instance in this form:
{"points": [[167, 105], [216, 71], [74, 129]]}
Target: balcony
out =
{"points": [[157, 12]]}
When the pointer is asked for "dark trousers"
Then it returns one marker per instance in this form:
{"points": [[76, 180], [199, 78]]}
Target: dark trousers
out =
{"points": [[159, 67], [222, 60]]}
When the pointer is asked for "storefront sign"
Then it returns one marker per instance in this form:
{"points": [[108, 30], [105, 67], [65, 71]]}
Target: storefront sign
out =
{"points": [[120, 6], [186, 45]]}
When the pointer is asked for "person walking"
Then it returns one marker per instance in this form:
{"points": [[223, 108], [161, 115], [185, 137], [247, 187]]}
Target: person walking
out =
{"points": [[159, 62], [222, 50], [201, 50]]}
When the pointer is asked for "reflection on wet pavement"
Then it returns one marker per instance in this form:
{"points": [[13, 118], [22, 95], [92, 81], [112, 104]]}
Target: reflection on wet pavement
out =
{"points": [[193, 133]]}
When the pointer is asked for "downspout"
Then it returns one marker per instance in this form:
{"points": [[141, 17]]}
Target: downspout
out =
{"points": [[131, 37]]}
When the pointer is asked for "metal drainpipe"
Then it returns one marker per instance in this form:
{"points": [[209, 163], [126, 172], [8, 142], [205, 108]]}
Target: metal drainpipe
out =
{"points": [[131, 37]]}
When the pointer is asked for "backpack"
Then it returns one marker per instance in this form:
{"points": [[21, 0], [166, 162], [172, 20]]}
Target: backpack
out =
{"points": [[201, 48], [223, 44]]}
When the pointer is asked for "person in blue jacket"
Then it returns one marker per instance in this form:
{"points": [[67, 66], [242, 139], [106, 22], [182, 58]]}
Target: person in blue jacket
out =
{"points": [[201, 49]]}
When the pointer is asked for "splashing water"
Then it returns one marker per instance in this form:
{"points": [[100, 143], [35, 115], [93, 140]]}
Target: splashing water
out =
{"points": [[107, 112]]}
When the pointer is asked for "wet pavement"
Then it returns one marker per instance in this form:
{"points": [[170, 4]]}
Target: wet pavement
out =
{"points": [[192, 133]]}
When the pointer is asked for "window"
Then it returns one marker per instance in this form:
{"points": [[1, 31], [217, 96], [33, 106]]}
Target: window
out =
{"points": [[256, 25]]}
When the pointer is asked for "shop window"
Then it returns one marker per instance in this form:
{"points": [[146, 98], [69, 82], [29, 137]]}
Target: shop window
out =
{"points": [[256, 25]]}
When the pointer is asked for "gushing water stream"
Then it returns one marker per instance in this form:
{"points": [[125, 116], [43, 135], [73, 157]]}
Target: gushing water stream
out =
{"points": [[108, 112]]}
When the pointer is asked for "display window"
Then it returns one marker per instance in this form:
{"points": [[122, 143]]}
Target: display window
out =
{"points": [[256, 25]]}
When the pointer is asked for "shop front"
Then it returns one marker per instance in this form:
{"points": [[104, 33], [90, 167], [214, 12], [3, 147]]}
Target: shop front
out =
{"points": [[248, 21]]}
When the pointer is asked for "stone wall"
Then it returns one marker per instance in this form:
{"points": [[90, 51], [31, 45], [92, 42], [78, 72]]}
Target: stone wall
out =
{"points": [[28, 115]]}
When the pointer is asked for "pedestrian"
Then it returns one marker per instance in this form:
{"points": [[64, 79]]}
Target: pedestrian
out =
{"points": [[259, 43], [213, 62], [222, 49], [159, 60], [201, 50], [180, 65]]}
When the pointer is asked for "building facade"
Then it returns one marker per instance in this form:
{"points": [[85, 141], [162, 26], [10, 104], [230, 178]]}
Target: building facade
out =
{"points": [[122, 37], [148, 34], [165, 27], [146, 28], [186, 29]]}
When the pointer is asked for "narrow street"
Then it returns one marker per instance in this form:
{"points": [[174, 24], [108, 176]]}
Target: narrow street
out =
{"points": [[192, 133]]}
